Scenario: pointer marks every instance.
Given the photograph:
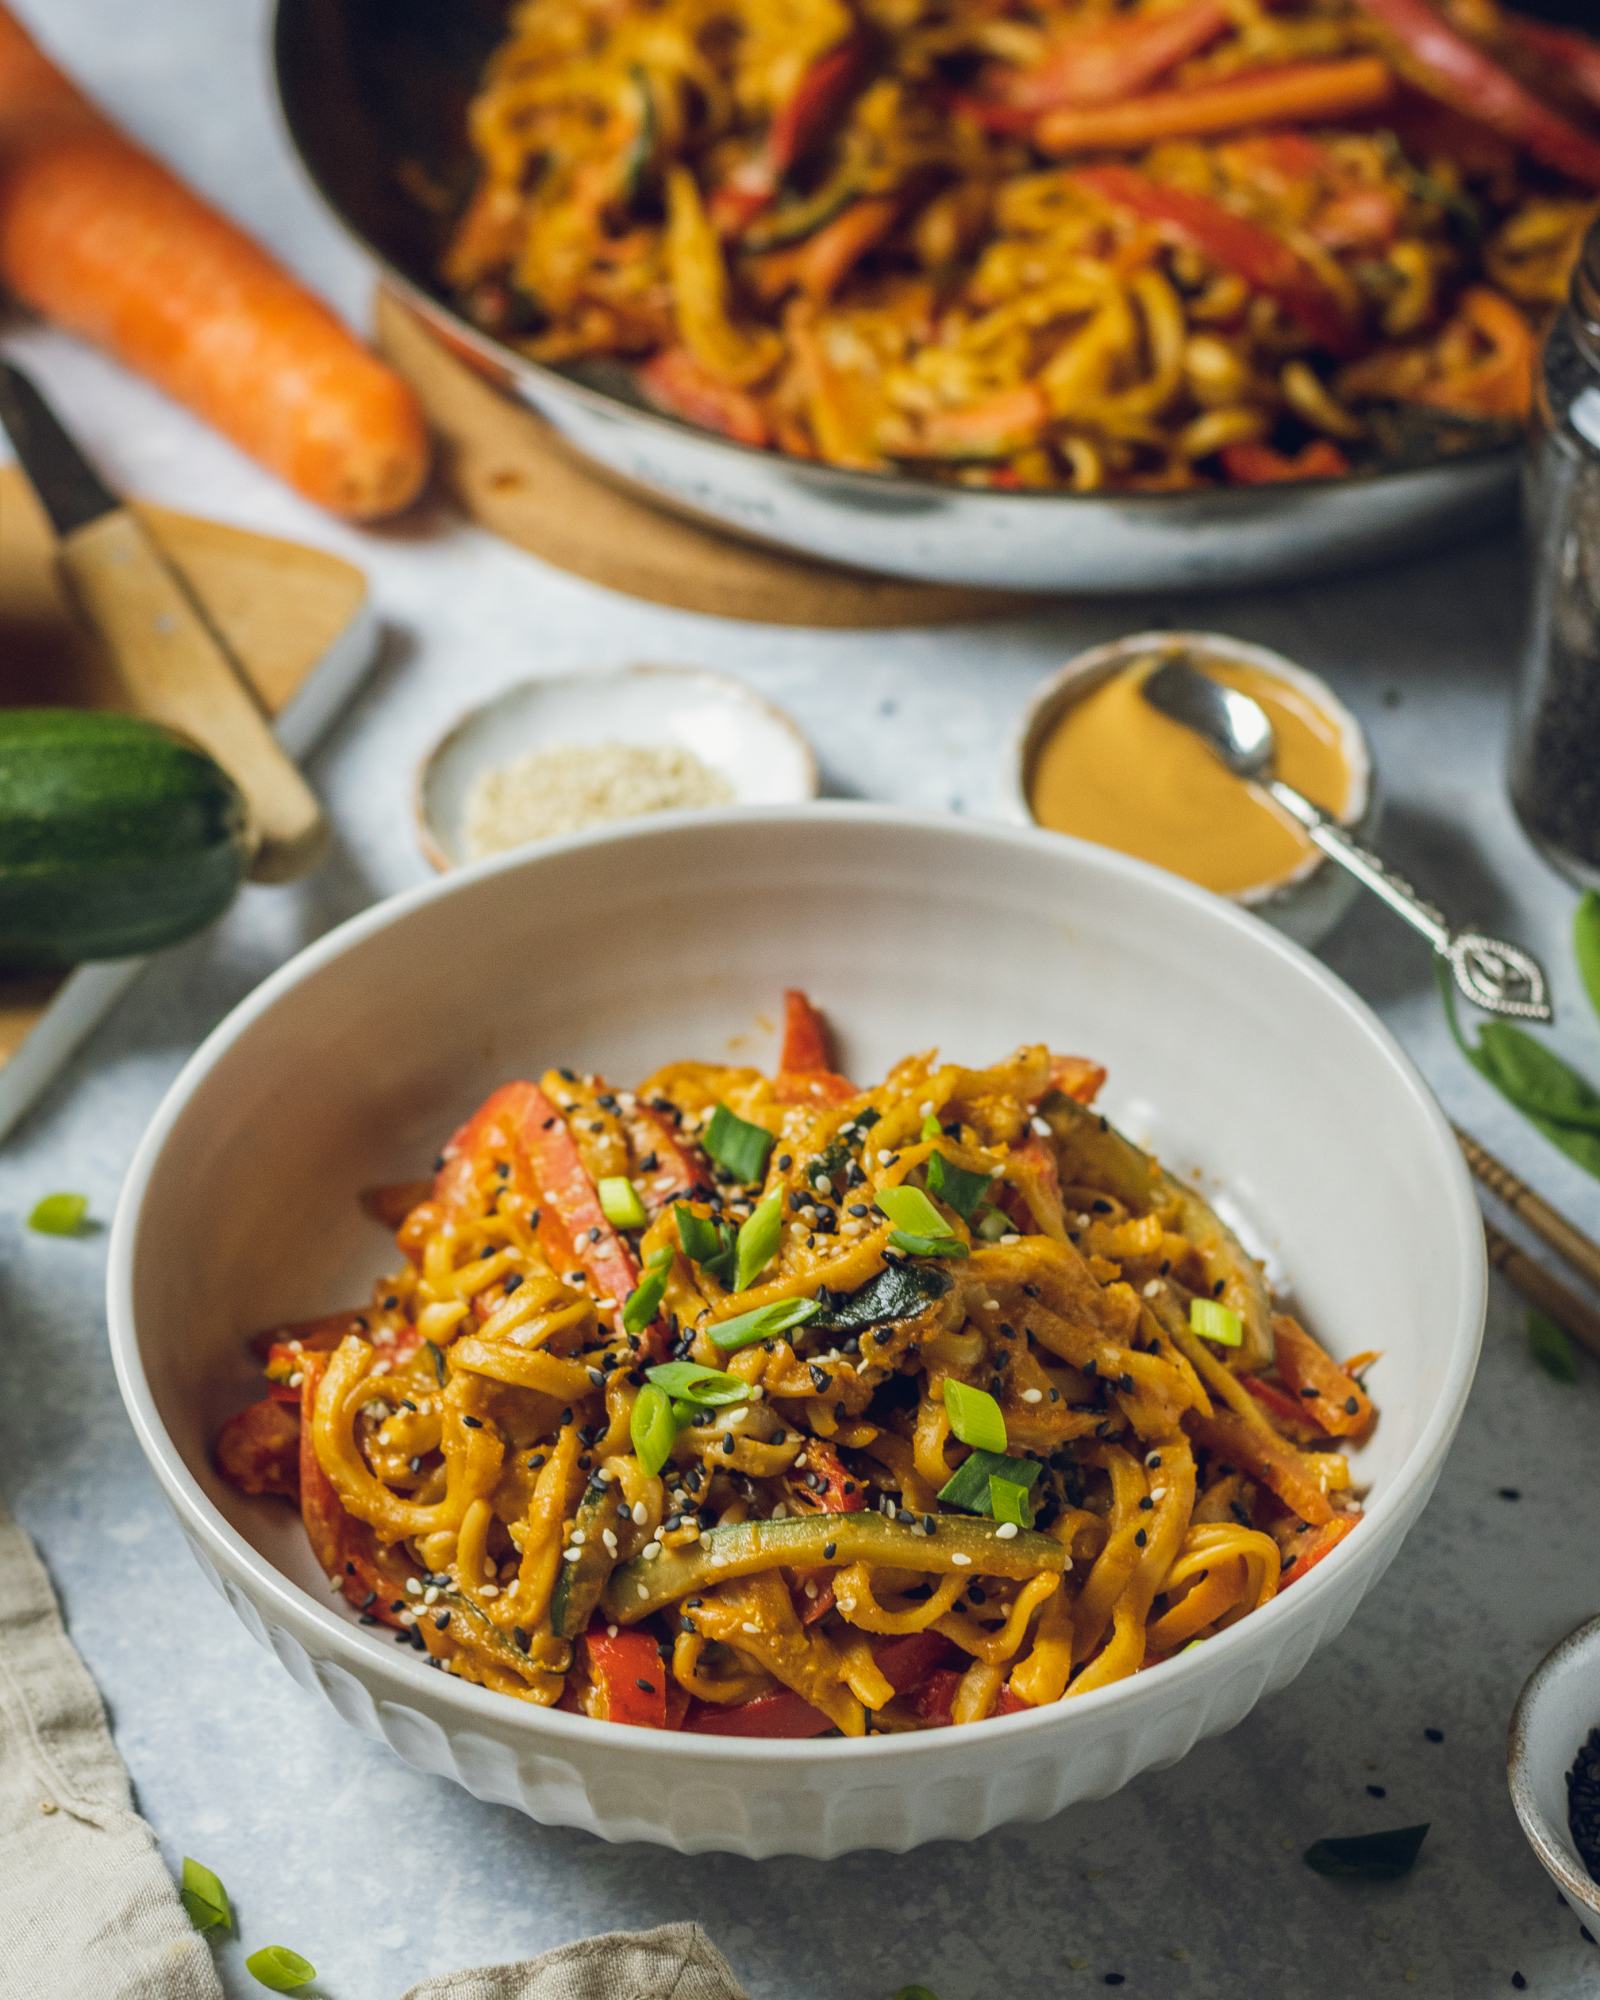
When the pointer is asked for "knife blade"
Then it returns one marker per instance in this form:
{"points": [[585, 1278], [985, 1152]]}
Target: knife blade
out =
{"points": [[168, 660]]}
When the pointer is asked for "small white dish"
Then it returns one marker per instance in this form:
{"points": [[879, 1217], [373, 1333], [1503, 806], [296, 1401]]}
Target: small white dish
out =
{"points": [[758, 749], [1558, 1706], [1304, 905]]}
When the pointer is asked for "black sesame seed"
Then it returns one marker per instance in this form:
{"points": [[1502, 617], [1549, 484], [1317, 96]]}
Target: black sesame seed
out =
{"points": [[473, 1423], [1141, 1538], [1376, 1792], [1510, 1493], [1434, 1735], [1519, 1982]]}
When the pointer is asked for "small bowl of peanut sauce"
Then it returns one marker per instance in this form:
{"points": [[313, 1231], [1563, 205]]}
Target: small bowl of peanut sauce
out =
{"points": [[1095, 760]]}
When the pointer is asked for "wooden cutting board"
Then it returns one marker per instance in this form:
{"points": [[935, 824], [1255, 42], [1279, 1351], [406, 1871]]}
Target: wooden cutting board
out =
{"points": [[297, 620], [509, 470]]}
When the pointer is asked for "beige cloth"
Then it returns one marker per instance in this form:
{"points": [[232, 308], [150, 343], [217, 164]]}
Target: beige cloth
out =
{"points": [[87, 1907]]}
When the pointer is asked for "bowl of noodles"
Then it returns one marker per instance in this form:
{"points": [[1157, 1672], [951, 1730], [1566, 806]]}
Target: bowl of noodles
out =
{"points": [[793, 1427], [1043, 293]]}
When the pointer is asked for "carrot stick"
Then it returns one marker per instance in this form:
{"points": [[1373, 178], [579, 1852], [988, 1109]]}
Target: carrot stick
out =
{"points": [[103, 239], [1306, 93]]}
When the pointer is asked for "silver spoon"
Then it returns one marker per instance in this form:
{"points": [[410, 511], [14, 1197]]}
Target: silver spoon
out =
{"points": [[1501, 978]]}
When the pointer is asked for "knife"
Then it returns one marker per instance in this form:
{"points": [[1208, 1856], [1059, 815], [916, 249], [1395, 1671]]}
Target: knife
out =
{"points": [[169, 661]]}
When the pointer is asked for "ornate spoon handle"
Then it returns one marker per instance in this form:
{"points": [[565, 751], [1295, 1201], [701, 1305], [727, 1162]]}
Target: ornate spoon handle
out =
{"points": [[1499, 977]]}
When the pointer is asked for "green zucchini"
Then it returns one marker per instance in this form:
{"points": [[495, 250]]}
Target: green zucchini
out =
{"points": [[116, 837], [581, 1581]]}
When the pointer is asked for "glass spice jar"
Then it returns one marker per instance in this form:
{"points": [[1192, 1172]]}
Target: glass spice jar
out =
{"points": [[1555, 750]]}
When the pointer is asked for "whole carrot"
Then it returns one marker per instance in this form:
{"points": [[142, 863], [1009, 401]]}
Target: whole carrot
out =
{"points": [[103, 239]]}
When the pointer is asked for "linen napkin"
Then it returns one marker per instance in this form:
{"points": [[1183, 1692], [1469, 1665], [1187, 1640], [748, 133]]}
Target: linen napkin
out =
{"points": [[87, 1906]]}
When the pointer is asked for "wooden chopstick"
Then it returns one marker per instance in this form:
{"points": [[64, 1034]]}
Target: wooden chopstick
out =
{"points": [[1547, 1223], [1576, 1316]]}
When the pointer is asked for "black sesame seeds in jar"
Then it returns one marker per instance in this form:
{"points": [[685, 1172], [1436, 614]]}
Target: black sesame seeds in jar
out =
{"points": [[1583, 1803], [1555, 755]]}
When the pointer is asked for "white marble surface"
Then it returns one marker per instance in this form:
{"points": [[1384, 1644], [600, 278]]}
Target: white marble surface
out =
{"points": [[1190, 1882]]}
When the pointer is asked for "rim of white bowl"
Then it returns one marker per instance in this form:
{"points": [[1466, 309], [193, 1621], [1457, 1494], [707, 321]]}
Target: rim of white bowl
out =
{"points": [[229, 1548], [1561, 1862]]}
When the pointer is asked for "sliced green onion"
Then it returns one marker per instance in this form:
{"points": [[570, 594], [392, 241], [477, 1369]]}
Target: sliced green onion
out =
{"points": [[712, 1388], [59, 1214], [204, 1897], [644, 1301], [736, 1144], [1550, 1347], [992, 1225], [745, 1329], [620, 1203], [908, 1208], [974, 1416], [652, 1427], [928, 1246], [958, 1186], [1009, 1502], [931, 1128], [968, 1485], [279, 1968], [758, 1240], [1212, 1320], [709, 1244]]}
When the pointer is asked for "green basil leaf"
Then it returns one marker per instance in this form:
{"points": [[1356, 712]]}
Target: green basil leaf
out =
{"points": [[1577, 1141], [204, 1897], [958, 1187], [1586, 944], [279, 1968], [1550, 1347], [1368, 1857], [1536, 1079]]}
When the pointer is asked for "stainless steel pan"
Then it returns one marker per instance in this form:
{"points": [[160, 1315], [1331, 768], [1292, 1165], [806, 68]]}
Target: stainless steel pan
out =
{"points": [[375, 95]]}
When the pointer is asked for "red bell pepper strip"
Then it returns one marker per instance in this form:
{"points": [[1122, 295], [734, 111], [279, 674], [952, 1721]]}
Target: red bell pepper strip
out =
{"points": [[1284, 1408], [840, 1492], [258, 1450], [1263, 260], [1259, 465], [1340, 1406], [800, 124], [680, 1169], [1453, 67], [935, 1701], [1099, 65], [1322, 1543], [905, 1663], [675, 382], [805, 1034], [1077, 1077], [1575, 55], [627, 1676], [1307, 93], [372, 1579], [520, 1122]]}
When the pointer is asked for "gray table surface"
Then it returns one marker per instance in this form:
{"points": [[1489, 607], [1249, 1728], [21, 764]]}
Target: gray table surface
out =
{"points": [[1190, 1881]]}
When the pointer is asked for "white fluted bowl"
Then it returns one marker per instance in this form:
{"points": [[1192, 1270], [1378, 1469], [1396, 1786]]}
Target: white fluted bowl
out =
{"points": [[1238, 1054]]}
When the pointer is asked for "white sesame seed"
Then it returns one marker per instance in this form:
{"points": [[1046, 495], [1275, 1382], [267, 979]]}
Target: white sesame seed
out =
{"points": [[296, 1379], [961, 1559], [1033, 1395], [644, 1589], [884, 1156], [1006, 1530], [579, 1537], [294, 1346], [925, 1108], [650, 1551], [610, 1541], [1152, 1289], [1011, 1236], [823, 1184], [336, 1584], [611, 1631], [811, 1589], [1041, 1126], [606, 1305], [991, 1305], [1158, 1494], [995, 1173], [489, 1590], [1081, 1220], [749, 1625], [431, 1594], [641, 1513], [570, 1555], [413, 1586], [408, 1617]]}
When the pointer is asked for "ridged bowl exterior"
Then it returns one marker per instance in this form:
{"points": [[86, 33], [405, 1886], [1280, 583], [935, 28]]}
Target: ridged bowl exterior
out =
{"points": [[344, 1068]]}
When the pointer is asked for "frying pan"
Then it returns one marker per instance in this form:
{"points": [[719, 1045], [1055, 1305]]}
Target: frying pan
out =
{"points": [[375, 94]]}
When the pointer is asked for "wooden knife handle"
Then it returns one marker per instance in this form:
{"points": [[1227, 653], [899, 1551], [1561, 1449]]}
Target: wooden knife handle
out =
{"points": [[172, 666]]}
